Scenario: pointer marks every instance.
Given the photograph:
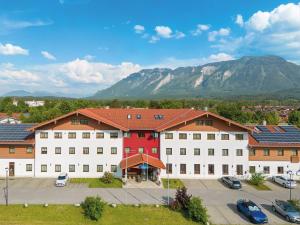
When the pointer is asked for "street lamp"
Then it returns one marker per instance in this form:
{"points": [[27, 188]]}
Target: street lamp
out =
{"points": [[168, 179], [6, 187], [290, 172]]}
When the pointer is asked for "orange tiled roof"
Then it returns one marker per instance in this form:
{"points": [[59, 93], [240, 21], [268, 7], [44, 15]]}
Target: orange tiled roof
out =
{"points": [[138, 159], [14, 115]]}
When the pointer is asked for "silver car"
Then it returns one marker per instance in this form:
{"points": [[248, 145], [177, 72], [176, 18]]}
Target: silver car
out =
{"points": [[284, 181], [287, 210]]}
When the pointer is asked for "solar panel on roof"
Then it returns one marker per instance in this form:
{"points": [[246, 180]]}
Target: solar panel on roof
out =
{"points": [[263, 128], [14, 132]]}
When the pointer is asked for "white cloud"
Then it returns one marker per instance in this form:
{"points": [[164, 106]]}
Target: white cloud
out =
{"points": [[163, 31], [239, 20], [48, 55], [10, 49], [153, 39], [16, 76], [220, 57], [199, 29], [89, 57], [212, 36], [139, 29], [179, 35]]}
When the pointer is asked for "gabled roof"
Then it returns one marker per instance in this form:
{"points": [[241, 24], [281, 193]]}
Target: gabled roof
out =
{"points": [[138, 159], [142, 119]]}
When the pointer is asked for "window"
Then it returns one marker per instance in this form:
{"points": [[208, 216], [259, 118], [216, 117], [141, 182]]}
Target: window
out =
{"points": [[224, 136], [44, 135], [99, 168], [266, 169], [99, 135], [196, 168], [182, 136], [168, 151], [127, 134], [99, 150], [239, 137], [224, 152], [57, 135], [251, 169], [252, 152], [266, 152], [74, 121], [169, 168], [44, 150], [57, 168], [86, 135], [127, 150], [113, 150], [294, 152], [141, 150], [57, 150], [155, 135], [114, 135], [29, 150], [28, 167], [141, 134], [211, 169], [204, 122], [43, 168], [12, 150], [211, 151], [197, 136], [138, 116], [71, 168], [182, 168], [72, 150], [86, 150], [71, 135], [211, 136], [280, 152], [196, 151], [239, 169], [168, 136], [280, 170], [154, 150], [84, 121], [225, 169], [86, 168], [239, 152], [113, 168], [182, 151]]}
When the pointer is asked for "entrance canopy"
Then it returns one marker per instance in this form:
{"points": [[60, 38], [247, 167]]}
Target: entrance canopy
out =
{"points": [[138, 159]]}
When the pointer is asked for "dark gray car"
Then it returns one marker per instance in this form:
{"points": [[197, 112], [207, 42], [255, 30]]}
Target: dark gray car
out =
{"points": [[232, 182], [290, 213]]}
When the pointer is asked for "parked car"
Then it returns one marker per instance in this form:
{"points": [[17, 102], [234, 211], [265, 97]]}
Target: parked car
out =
{"points": [[287, 210], [232, 182], [284, 181], [251, 211], [62, 180]]}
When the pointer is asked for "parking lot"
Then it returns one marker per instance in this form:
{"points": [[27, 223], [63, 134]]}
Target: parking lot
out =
{"points": [[220, 200]]}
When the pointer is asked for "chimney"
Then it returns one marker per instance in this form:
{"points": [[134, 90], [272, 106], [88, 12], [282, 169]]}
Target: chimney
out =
{"points": [[205, 108], [264, 123]]}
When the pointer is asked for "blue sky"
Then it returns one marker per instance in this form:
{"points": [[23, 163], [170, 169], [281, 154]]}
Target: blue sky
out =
{"points": [[81, 46]]}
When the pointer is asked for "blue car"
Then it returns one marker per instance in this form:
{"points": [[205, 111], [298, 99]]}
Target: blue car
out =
{"points": [[251, 211]]}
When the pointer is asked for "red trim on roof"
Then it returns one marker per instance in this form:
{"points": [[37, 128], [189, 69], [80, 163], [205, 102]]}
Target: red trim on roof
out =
{"points": [[138, 159]]}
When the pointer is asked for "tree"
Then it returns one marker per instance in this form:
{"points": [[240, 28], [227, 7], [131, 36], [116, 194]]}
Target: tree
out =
{"points": [[272, 118], [294, 118], [93, 207], [196, 211], [64, 107]]}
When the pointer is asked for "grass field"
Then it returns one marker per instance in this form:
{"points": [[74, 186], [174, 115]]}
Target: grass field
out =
{"points": [[260, 187], [71, 215], [174, 183], [97, 183]]}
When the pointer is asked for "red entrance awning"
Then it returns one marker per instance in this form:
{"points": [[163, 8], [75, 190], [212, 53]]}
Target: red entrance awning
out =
{"points": [[138, 159]]}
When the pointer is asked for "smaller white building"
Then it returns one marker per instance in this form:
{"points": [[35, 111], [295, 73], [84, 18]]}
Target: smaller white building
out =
{"points": [[34, 103]]}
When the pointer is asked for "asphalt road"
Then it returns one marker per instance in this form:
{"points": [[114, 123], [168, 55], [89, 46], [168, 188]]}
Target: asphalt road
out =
{"points": [[219, 200]]}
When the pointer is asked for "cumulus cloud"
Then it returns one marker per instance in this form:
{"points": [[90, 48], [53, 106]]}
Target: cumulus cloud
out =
{"points": [[220, 57], [48, 55], [163, 31], [179, 35], [199, 29], [139, 29], [10, 49], [12, 75], [213, 35], [239, 20]]}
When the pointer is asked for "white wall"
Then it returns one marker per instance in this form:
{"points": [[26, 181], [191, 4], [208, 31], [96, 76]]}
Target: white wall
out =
{"points": [[79, 159], [20, 167], [203, 159]]}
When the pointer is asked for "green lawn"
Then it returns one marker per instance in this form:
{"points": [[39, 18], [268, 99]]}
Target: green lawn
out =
{"points": [[261, 187], [174, 183], [71, 215], [97, 183]]}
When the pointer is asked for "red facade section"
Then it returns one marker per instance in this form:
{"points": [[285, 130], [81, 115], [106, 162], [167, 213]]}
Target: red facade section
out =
{"points": [[141, 139]]}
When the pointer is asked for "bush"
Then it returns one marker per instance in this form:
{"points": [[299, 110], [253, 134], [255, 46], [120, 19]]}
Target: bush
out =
{"points": [[107, 178], [93, 207], [196, 211], [257, 179], [182, 199]]}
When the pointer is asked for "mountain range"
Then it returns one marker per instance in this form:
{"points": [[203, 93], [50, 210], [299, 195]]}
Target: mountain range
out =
{"points": [[23, 93], [247, 76]]}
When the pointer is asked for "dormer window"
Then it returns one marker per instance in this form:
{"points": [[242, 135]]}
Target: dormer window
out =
{"points": [[158, 117], [138, 116]]}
